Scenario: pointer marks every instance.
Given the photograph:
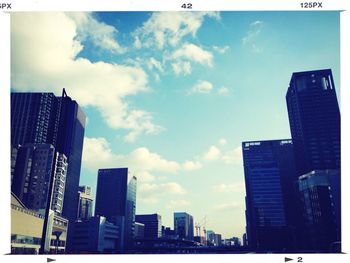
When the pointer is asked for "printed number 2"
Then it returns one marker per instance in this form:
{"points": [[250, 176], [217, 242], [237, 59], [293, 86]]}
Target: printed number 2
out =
{"points": [[300, 259]]}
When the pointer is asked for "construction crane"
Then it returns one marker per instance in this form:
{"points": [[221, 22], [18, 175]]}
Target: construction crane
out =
{"points": [[198, 229], [204, 224]]}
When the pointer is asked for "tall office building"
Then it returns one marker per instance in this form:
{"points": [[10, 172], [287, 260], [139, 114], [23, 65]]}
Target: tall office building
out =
{"points": [[70, 141], [116, 200], [183, 225], [85, 203], [34, 118], [266, 172], [45, 118], [32, 170], [153, 225], [314, 119]]}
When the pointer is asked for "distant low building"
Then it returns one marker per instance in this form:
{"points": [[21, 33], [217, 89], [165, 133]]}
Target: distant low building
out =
{"points": [[183, 225], [139, 230], [152, 223], [94, 236], [218, 240], [168, 233], [200, 240], [210, 238], [232, 242]]}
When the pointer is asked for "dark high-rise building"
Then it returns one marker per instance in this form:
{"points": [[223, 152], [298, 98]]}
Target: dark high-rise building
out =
{"points": [[85, 203], [153, 225], [70, 141], [45, 118], [34, 118], [116, 200], [32, 170], [267, 173], [314, 119], [320, 207], [183, 225]]}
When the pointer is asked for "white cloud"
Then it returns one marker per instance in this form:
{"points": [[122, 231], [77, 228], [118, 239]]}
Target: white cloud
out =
{"points": [[97, 154], [137, 42], [252, 34], [169, 28], [163, 188], [178, 204], [182, 67], [154, 63], [146, 160], [190, 165], [234, 156], [238, 187], [221, 50], [152, 192], [98, 33], [223, 90], [191, 52], [227, 207], [256, 23], [52, 64], [202, 86], [212, 153], [222, 141]]}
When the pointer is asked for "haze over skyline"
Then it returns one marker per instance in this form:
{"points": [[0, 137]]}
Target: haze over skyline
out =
{"points": [[173, 95]]}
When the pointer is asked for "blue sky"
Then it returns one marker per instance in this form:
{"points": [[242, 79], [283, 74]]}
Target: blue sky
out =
{"points": [[173, 95]]}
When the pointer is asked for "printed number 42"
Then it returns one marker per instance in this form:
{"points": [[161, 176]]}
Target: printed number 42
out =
{"points": [[187, 6]]}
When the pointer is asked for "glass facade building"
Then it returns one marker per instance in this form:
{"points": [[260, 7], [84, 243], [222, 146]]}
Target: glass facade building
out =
{"points": [[183, 225], [116, 200], [314, 119], [266, 172]]}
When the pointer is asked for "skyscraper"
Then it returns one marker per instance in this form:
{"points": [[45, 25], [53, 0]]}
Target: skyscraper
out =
{"points": [[183, 225], [85, 203], [152, 223], [266, 172], [314, 119], [59, 121], [116, 200], [34, 118]]}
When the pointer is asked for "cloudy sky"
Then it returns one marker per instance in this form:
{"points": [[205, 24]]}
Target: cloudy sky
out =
{"points": [[173, 95]]}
